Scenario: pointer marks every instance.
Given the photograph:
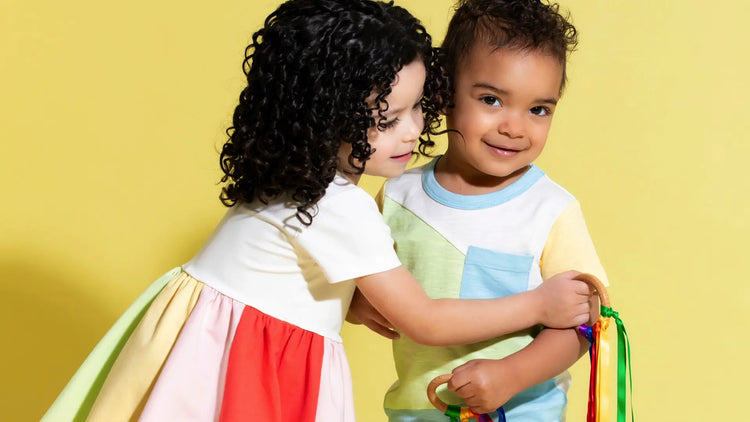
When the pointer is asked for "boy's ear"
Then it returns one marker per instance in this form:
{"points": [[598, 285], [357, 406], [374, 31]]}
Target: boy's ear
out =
{"points": [[447, 109]]}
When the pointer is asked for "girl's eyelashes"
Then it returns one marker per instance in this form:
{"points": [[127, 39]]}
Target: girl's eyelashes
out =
{"points": [[383, 126], [387, 125], [540, 111]]}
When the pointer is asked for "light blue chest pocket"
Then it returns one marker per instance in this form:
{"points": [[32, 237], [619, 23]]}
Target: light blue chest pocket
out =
{"points": [[489, 274]]}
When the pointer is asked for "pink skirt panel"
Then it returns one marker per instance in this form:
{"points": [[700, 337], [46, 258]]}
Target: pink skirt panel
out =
{"points": [[191, 383], [335, 400]]}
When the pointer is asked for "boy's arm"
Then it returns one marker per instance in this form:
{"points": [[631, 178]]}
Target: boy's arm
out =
{"points": [[486, 384]]}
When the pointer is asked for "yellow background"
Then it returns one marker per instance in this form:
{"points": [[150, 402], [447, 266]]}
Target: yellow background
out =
{"points": [[111, 114]]}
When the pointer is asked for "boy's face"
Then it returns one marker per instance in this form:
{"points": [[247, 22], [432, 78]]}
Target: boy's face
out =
{"points": [[504, 102]]}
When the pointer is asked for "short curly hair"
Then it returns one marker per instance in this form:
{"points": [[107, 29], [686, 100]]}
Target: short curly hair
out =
{"points": [[515, 24], [310, 70]]}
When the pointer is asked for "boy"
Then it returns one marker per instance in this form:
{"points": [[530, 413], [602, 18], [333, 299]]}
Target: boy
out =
{"points": [[484, 214]]}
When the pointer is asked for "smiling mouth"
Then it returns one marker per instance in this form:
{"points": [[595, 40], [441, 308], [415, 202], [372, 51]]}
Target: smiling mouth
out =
{"points": [[402, 157], [503, 151]]}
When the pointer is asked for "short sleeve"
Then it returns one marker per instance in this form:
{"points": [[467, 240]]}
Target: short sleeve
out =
{"points": [[569, 246], [348, 237]]}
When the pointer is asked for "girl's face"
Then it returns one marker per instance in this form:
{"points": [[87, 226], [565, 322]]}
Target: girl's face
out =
{"points": [[392, 144]]}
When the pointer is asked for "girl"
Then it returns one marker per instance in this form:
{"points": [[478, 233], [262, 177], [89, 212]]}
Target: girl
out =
{"points": [[249, 328]]}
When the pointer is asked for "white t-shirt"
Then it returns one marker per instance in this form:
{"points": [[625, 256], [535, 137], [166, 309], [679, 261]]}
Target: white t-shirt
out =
{"points": [[478, 247], [261, 255]]}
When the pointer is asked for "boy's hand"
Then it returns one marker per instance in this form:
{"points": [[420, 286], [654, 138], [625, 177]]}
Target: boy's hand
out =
{"points": [[483, 384], [362, 312], [563, 301]]}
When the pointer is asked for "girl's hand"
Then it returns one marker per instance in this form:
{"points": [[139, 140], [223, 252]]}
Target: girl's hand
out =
{"points": [[483, 384], [564, 302], [362, 312]]}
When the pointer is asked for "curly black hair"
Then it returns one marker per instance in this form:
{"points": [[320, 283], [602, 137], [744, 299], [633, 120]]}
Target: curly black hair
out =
{"points": [[515, 24], [309, 70]]}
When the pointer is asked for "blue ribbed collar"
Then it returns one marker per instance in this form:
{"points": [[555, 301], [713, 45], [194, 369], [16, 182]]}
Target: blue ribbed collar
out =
{"points": [[477, 202]]}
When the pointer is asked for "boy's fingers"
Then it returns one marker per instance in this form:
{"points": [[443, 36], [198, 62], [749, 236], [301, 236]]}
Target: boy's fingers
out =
{"points": [[458, 380], [381, 329], [466, 392], [583, 288], [380, 319]]}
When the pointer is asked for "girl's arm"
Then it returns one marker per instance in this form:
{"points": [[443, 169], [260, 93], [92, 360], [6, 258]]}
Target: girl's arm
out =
{"points": [[559, 302]]}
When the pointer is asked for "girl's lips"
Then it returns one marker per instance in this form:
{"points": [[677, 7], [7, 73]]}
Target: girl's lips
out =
{"points": [[402, 158]]}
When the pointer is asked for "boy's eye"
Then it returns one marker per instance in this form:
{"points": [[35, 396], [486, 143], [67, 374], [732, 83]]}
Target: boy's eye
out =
{"points": [[540, 111], [490, 100]]}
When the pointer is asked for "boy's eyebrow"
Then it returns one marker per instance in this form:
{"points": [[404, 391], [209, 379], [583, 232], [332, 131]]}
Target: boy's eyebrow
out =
{"points": [[551, 101]]}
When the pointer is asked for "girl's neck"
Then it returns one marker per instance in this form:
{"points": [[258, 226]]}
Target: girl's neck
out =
{"points": [[351, 177], [345, 170]]}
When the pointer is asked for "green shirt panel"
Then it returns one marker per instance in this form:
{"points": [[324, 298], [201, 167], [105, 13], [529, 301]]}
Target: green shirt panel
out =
{"points": [[439, 269]]}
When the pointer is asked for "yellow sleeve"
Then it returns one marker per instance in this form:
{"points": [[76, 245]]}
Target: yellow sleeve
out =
{"points": [[569, 247]]}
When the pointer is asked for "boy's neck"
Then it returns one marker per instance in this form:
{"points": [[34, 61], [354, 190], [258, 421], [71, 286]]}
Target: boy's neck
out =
{"points": [[460, 178]]}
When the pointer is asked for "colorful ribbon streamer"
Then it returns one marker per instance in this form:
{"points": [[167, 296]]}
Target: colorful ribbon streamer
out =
{"points": [[464, 414], [598, 404]]}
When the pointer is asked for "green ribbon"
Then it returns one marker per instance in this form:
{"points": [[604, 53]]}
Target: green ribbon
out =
{"points": [[623, 355], [454, 412]]}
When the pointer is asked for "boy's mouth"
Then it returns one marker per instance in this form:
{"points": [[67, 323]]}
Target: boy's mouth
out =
{"points": [[503, 151]]}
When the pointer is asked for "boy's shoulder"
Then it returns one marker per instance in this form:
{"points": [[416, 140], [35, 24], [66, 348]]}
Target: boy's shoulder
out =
{"points": [[411, 179], [553, 187], [539, 188]]}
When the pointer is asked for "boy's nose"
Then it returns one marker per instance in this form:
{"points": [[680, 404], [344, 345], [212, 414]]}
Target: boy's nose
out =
{"points": [[511, 125]]}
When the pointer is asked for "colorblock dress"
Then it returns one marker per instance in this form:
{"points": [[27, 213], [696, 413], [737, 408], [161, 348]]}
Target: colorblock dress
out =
{"points": [[479, 247], [249, 329]]}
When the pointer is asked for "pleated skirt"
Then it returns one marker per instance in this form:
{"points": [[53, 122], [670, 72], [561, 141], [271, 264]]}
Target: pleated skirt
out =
{"points": [[185, 352]]}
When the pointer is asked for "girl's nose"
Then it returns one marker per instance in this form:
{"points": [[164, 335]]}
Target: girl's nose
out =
{"points": [[416, 125]]}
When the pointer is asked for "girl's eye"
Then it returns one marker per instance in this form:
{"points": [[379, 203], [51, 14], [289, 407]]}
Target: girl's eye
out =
{"points": [[383, 126], [540, 111], [490, 100]]}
